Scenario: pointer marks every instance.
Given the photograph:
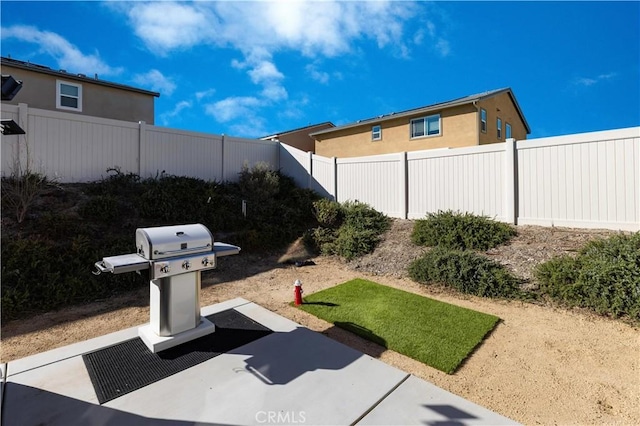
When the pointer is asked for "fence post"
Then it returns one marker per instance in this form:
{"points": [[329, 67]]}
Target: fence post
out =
{"points": [[334, 165], [222, 159], [404, 192], [23, 156], [510, 184], [142, 139], [310, 169]]}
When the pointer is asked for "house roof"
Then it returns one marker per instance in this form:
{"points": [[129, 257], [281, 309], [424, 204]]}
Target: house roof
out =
{"points": [[70, 76], [275, 135], [431, 108]]}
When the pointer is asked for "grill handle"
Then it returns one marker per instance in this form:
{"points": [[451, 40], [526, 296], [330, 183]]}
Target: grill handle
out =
{"points": [[100, 268], [181, 250]]}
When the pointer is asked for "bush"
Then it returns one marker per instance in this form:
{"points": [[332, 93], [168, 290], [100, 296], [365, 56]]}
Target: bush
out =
{"points": [[465, 271], [47, 260], [115, 184], [20, 191], [328, 213], [349, 230], [605, 277], [40, 274], [460, 231], [101, 207]]}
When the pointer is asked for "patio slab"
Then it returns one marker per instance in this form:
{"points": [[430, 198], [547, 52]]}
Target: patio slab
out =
{"points": [[291, 376]]}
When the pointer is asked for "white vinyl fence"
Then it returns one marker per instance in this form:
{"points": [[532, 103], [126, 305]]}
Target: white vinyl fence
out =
{"points": [[78, 148], [588, 180]]}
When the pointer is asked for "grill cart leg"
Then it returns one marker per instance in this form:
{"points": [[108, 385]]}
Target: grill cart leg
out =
{"points": [[174, 312]]}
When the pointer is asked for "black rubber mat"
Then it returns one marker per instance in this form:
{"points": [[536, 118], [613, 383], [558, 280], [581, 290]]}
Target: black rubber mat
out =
{"points": [[130, 365]]}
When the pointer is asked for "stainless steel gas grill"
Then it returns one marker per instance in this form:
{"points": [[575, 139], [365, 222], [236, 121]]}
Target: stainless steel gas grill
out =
{"points": [[174, 257]]}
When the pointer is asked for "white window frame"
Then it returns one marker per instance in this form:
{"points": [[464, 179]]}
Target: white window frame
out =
{"points": [[483, 120], [507, 130], [424, 129], [376, 132], [499, 128], [59, 95]]}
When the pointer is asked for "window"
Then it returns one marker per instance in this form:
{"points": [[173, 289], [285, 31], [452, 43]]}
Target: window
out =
{"points": [[376, 133], [499, 127], [507, 130], [483, 120], [425, 126], [69, 96]]}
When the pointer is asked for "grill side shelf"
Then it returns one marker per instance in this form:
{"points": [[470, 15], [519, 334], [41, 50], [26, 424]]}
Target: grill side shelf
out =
{"points": [[224, 249], [123, 263]]}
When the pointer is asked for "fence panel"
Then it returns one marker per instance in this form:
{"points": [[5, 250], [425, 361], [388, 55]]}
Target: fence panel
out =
{"points": [[295, 164], [181, 153], [324, 176], [239, 152], [74, 148], [589, 180], [463, 179], [9, 144], [376, 180]]}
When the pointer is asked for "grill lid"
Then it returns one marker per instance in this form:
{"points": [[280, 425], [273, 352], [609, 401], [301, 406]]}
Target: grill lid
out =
{"points": [[170, 241]]}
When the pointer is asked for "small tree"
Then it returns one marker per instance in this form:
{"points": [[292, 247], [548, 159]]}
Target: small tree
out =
{"points": [[23, 185]]}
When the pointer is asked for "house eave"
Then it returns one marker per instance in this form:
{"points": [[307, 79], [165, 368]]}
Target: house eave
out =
{"points": [[75, 77], [427, 109]]}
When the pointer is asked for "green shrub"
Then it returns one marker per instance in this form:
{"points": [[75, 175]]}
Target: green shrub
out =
{"points": [[349, 230], [19, 192], [465, 271], [101, 207], [116, 184], [173, 199], [460, 231], [328, 213], [40, 274], [47, 261], [604, 276]]}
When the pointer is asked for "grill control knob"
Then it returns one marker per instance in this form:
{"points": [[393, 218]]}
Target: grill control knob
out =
{"points": [[206, 262], [165, 269], [186, 265]]}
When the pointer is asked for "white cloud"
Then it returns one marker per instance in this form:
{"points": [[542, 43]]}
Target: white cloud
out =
{"points": [[156, 81], [166, 117], [166, 26], [205, 94], [442, 46], [260, 30], [67, 55], [265, 71], [319, 76], [233, 108], [588, 81]]}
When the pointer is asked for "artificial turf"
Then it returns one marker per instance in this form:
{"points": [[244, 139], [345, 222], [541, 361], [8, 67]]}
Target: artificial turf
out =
{"points": [[436, 333]]}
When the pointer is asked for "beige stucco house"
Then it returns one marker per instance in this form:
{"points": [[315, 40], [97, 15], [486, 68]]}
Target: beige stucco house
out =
{"points": [[53, 90], [299, 138], [479, 119]]}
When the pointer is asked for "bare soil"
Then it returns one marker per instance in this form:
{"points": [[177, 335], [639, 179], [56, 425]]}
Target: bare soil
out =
{"points": [[542, 364]]}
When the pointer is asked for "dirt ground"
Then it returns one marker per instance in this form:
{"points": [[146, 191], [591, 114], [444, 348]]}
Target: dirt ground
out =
{"points": [[541, 364]]}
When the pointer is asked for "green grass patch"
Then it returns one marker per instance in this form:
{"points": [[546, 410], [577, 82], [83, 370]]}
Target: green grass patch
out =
{"points": [[436, 333]]}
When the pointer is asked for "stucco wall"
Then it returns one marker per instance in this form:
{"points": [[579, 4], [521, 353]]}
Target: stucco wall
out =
{"points": [[501, 106], [458, 128], [39, 91], [300, 139]]}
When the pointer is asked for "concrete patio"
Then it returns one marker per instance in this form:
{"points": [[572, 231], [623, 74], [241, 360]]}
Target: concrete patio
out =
{"points": [[291, 376]]}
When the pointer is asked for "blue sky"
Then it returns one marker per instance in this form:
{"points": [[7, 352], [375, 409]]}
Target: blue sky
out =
{"points": [[255, 68]]}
